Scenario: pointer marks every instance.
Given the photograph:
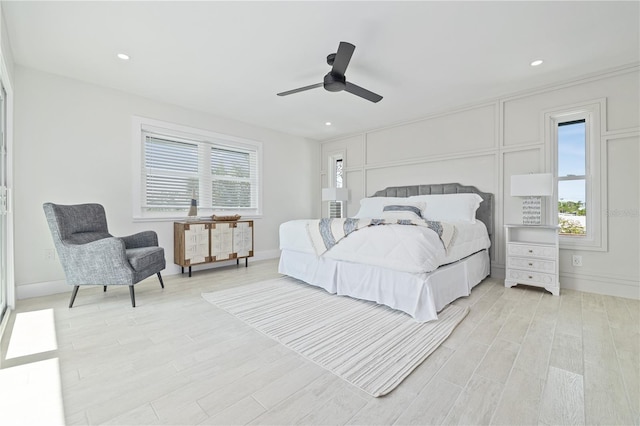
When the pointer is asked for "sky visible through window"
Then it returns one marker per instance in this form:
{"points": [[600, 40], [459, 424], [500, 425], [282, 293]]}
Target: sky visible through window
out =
{"points": [[571, 160]]}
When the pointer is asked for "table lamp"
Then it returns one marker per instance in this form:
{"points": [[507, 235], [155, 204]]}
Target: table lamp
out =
{"points": [[532, 187]]}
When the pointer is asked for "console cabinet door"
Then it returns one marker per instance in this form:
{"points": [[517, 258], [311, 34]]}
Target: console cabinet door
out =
{"points": [[222, 241], [243, 239], [191, 243]]}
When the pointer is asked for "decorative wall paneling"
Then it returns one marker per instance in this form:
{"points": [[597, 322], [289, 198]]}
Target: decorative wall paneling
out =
{"points": [[485, 144]]}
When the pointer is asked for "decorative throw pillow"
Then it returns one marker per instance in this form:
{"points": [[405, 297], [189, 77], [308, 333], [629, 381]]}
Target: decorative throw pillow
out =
{"points": [[407, 211]]}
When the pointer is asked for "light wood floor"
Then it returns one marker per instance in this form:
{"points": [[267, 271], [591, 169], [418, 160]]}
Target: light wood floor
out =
{"points": [[522, 356]]}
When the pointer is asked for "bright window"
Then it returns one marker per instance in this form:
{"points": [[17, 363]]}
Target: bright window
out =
{"points": [[572, 178], [177, 164], [575, 150], [336, 208]]}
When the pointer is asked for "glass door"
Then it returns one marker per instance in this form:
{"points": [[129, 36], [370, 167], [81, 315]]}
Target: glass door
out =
{"points": [[3, 202]]}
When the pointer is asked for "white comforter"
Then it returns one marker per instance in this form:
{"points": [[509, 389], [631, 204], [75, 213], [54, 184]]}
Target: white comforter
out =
{"points": [[404, 248]]}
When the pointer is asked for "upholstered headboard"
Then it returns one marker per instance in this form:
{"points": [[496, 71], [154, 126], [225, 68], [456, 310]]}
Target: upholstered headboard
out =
{"points": [[484, 212]]}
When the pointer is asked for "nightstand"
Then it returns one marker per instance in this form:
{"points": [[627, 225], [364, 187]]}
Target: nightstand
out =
{"points": [[532, 256]]}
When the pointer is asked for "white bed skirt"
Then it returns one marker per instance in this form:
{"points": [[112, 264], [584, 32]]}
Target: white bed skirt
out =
{"points": [[420, 295]]}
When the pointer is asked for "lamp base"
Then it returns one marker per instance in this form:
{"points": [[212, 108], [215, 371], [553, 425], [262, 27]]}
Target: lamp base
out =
{"points": [[532, 211]]}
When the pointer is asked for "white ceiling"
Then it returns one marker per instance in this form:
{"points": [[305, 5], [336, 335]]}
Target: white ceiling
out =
{"points": [[231, 58]]}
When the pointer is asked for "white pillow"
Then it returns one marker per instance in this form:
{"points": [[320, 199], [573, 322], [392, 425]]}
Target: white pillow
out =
{"points": [[449, 207], [372, 207], [404, 211]]}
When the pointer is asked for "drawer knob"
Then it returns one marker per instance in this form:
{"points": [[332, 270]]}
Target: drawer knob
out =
{"points": [[530, 264], [530, 251], [530, 277]]}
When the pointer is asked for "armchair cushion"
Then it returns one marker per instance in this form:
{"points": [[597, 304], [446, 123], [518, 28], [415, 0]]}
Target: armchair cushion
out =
{"points": [[145, 257]]}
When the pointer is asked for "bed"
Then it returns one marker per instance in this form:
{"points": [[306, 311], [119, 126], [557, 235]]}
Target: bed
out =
{"points": [[408, 268]]}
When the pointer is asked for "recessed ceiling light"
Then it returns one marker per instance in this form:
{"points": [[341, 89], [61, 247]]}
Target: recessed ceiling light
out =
{"points": [[536, 62], [123, 56], [328, 123]]}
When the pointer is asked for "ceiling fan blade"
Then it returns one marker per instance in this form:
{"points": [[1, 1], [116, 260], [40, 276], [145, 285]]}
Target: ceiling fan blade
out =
{"points": [[343, 56], [363, 93], [300, 89]]}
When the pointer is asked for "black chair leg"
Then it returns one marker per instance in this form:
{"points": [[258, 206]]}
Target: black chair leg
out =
{"points": [[160, 278], [105, 289], [73, 295], [133, 296]]}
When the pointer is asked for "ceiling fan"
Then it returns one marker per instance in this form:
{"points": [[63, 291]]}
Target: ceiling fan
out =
{"points": [[335, 80]]}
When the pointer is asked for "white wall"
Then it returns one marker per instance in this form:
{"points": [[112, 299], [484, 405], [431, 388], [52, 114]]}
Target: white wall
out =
{"points": [[483, 145], [73, 144]]}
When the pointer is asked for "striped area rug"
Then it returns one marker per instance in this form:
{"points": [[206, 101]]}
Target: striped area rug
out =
{"points": [[369, 345]]}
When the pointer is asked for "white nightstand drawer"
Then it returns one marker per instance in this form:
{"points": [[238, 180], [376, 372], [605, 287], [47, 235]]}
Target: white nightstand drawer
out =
{"points": [[526, 250], [531, 264], [530, 277]]}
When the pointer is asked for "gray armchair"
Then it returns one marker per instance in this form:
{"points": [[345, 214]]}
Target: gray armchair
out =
{"points": [[91, 256]]}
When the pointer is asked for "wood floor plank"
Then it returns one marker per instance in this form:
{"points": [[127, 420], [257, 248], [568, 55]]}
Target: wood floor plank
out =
{"points": [[476, 403], [335, 411], [536, 348], [498, 362], [432, 405], [606, 400], [287, 384], [520, 400], [515, 328], [563, 398], [567, 353], [461, 365], [384, 410], [240, 413]]}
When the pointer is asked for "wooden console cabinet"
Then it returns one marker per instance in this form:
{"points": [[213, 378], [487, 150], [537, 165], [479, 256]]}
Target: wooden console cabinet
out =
{"points": [[200, 242]]}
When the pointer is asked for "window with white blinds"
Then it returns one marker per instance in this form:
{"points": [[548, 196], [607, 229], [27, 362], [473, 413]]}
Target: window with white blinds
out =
{"points": [[222, 175], [170, 173]]}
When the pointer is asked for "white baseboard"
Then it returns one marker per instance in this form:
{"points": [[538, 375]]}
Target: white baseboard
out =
{"points": [[47, 288], [497, 271], [609, 286], [598, 284]]}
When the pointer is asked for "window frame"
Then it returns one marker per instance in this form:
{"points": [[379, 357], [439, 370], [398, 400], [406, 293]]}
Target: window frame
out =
{"points": [[593, 113], [332, 206], [142, 127]]}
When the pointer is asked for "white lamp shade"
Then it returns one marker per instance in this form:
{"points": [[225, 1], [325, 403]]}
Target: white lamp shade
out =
{"points": [[532, 185], [335, 194]]}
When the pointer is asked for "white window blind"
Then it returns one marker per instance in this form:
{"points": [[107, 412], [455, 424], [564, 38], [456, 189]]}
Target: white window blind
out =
{"points": [[223, 175], [233, 178], [170, 173]]}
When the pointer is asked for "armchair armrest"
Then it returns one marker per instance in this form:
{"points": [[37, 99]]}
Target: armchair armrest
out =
{"points": [[141, 239], [100, 262]]}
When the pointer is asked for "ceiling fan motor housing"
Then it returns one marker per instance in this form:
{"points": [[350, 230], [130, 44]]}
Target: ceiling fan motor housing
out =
{"points": [[334, 82]]}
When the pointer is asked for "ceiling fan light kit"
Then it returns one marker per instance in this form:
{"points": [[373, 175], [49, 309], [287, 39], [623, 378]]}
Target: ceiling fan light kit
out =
{"points": [[335, 80]]}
